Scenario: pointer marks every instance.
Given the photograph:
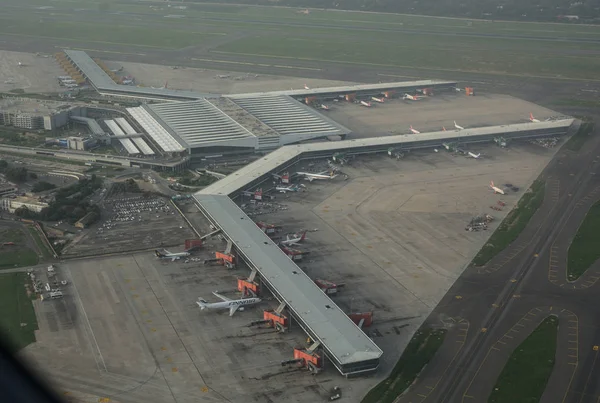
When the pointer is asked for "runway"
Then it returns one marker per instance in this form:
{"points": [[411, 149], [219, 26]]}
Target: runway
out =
{"points": [[497, 306]]}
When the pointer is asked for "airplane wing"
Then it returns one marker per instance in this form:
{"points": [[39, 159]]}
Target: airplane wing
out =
{"points": [[174, 258], [224, 298], [233, 309]]}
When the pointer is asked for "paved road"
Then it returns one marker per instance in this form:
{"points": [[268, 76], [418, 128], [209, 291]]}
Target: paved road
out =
{"points": [[501, 303]]}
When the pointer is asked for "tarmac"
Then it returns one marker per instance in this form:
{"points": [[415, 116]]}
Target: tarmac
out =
{"points": [[395, 116], [394, 232], [500, 304]]}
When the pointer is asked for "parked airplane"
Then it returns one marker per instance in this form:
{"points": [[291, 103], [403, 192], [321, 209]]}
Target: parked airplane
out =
{"points": [[496, 189], [458, 127], [532, 119], [293, 239], [322, 175], [168, 255], [291, 188], [231, 304], [415, 131], [323, 106], [380, 100], [365, 103], [476, 156], [410, 97], [161, 88]]}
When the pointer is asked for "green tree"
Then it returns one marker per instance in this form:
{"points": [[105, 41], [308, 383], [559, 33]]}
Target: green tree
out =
{"points": [[16, 174]]}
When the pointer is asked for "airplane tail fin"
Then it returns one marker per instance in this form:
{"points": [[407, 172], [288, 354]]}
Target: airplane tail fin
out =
{"points": [[158, 254], [492, 183], [166, 84], [443, 128], [201, 303], [303, 236]]}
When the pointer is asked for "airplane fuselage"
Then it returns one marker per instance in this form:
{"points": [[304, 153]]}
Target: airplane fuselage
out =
{"points": [[228, 304]]}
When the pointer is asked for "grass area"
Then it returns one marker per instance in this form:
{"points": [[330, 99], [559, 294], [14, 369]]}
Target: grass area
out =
{"points": [[440, 52], [524, 377], [419, 351], [18, 257], [584, 250], [39, 157], [17, 317], [500, 47], [513, 224], [12, 235], [101, 33], [585, 132], [40, 242]]}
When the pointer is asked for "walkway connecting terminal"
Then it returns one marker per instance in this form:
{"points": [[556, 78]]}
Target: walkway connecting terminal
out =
{"points": [[346, 345]]}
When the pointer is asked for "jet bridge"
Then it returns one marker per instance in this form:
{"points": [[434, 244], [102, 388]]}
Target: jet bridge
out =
{"points": [[348, 348]]}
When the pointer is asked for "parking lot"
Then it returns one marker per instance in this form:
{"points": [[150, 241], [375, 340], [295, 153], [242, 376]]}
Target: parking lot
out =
{"points": [[133, 222]]}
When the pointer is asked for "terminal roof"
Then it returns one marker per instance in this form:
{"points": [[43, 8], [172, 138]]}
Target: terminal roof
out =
{"points": [[399, 86], [238, 179], [323, 318], [199, 123], [290, 117]]}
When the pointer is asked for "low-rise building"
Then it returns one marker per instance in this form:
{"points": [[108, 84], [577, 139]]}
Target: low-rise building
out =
{"points": [[87, 220], [31, 203], [81, 143]]}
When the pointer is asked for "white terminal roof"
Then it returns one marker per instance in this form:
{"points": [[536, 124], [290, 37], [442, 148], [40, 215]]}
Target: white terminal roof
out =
{"points": [[290, 117], [138, 141], [200, 123], [237, 180], [104, 84], [126, 143], [338, 334], [397, 86], [159, 134], [241, 122]]}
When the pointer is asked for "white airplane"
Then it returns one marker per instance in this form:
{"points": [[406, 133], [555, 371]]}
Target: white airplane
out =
{"points": [[476, 156], [168, 255], [323, 175], [161, 88], [231, 304], [293, 239], [291, 188], [323, 106], [380, 100], [414, 131], [410, 97], [306, 87], [496, 189], [532, 119], [458, 127], [365, 103]]}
